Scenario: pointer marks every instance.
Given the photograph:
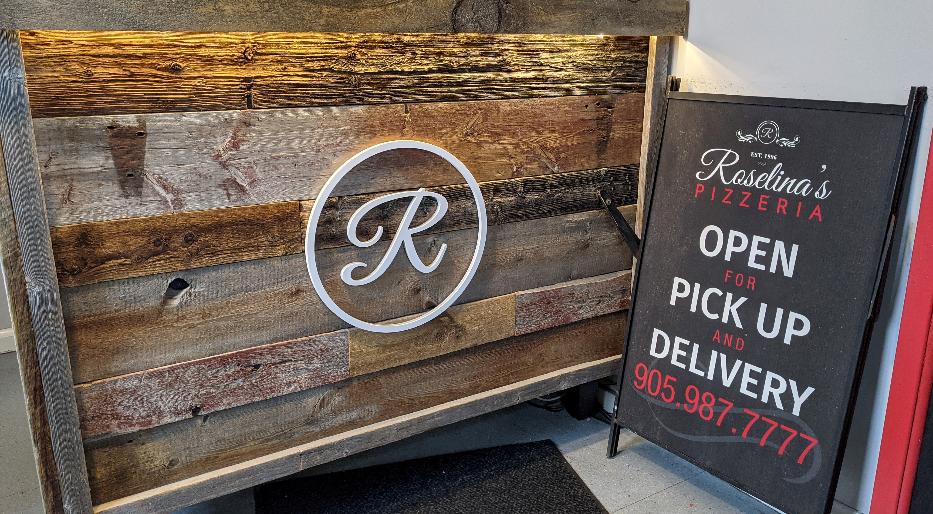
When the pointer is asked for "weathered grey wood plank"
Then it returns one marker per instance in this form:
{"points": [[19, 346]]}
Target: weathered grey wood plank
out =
{"points": [[239, 476], [108, 73], [132, 463], [38, 268], [123, 326], [25, 338], [93, 252], [647, 17], [162, 395], [154, 397], [660, 54], [99, 168]]}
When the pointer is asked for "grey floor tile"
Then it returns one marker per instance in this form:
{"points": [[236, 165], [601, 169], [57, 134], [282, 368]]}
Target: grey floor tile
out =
{"points": [[568, 433], [701, 493], [640, 470], [841, 508]]}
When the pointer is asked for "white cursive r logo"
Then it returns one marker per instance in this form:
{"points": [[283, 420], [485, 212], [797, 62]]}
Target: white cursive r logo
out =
{"points": [[403, 236]]}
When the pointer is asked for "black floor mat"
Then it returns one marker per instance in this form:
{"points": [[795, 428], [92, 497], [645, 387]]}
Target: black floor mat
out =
{"points": [[521, 478]]}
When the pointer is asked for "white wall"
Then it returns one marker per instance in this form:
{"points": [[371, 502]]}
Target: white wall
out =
{"points": [[852, 50], [6, 333]]}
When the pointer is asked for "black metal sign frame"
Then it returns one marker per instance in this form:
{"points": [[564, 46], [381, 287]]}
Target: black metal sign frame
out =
{"points": [[911, 115]]}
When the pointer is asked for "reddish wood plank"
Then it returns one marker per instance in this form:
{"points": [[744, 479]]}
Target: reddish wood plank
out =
{"points": [[549, 307], [157, 396], [262, 469]]}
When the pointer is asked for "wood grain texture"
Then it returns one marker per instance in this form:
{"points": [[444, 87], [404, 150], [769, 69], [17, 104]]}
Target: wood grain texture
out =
{"points": [[150, 398], [660, 53], [108, 73], [229, 479], [128, 464], [99, 168], [25, 340], [162, 395], [549, 307], [507, 201], [485, 321], [462, 326], [646, 17], [38, 268], [122, 326], [92, 252]]}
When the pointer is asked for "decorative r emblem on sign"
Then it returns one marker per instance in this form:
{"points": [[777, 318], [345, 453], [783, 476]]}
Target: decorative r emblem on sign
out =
{"points": [[767, 132], [403, 236]]}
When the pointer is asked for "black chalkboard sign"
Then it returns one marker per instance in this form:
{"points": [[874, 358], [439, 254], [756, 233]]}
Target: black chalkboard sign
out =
{"points": [[766, 240]]}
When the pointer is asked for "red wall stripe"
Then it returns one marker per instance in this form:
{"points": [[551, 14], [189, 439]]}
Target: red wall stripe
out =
{"points": [[912, 375]]}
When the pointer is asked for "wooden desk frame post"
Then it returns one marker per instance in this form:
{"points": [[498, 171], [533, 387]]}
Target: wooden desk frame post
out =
{"points": [[658, 82], [32, 282]]}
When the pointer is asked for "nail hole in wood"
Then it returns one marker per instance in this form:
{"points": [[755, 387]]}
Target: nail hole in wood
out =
{"points": [[175, 291]]}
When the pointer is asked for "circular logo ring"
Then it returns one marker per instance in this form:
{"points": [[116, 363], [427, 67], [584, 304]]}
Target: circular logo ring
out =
{"points": [[328, 189], [767, 132]]}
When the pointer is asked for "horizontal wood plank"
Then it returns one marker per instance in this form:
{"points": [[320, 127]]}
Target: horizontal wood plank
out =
{"points": [[124, 326], [462, 326], [157, 396], [108, 250], [128, 464], [108, 73], [229, 479], [481, 322], [137, 401], [648, 17], [507, 201], [552, 306], [99, 168]]}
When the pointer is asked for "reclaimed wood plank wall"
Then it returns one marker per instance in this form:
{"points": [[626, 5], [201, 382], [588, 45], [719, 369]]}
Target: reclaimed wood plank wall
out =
{"points": [[631, 18], [197, 158]]}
